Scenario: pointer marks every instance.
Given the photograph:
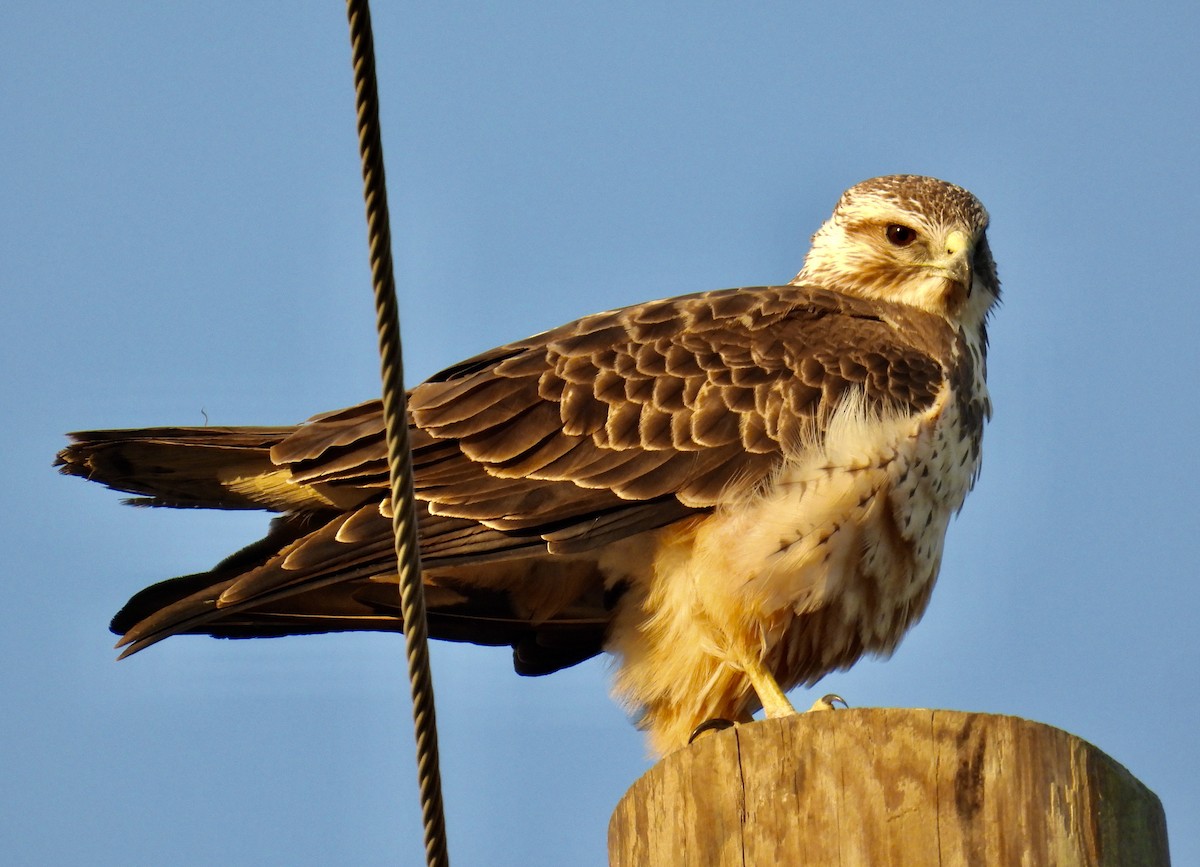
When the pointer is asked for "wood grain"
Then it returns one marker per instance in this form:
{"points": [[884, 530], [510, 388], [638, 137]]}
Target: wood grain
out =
{"points": [[884, 786]]}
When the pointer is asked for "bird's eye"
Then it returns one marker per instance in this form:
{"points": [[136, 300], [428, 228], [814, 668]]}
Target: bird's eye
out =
{"points": [[900, 236]]}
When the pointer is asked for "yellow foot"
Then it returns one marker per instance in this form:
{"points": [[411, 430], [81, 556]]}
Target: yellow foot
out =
{"points": [[719, 724], [770, 695]]}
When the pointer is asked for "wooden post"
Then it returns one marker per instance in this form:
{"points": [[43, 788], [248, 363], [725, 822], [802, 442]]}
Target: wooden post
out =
{"points": [[888, 786]]}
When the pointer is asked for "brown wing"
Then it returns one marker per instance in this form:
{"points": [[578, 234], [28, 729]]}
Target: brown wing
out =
{"points": [[612, 425], [671, 400]]}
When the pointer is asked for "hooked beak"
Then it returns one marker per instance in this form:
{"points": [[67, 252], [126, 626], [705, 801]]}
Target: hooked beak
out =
{"points": [[955, 266], [957, 262]]}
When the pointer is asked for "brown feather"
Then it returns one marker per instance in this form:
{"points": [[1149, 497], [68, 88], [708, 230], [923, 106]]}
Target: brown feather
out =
{"points": [[536, 461], [700, 372]]}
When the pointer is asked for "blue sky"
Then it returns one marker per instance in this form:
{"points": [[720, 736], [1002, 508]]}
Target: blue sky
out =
{"points": [[181, 238]]}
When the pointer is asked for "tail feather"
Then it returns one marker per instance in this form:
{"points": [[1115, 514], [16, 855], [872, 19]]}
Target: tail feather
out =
{"points": [[145, 603], [328, 562], [209, 467]]}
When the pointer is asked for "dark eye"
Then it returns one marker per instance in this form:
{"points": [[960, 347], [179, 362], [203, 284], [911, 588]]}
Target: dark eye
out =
{"points": [[900, 236]]}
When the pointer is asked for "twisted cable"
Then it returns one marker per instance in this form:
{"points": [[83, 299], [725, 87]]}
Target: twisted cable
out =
{"points": [[404, 524]]}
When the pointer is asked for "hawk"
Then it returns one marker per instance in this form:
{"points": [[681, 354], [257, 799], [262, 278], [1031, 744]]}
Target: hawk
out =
{"points": [[733, 492]]}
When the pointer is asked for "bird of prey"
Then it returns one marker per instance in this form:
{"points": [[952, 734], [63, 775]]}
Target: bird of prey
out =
{"points": [[733, 492]]}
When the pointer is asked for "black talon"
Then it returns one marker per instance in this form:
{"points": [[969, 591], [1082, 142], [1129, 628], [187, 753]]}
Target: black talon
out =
{"points": [[717, 724], [828, 702]]}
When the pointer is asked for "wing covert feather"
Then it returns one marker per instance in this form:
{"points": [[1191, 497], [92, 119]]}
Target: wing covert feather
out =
{"points": [[674, 398]]}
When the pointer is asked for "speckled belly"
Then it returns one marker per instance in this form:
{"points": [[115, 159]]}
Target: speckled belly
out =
{"points": [[837, 555]]}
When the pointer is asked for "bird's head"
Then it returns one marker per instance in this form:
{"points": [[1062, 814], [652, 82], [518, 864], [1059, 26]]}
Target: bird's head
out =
{"points": [[911, 240]]}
